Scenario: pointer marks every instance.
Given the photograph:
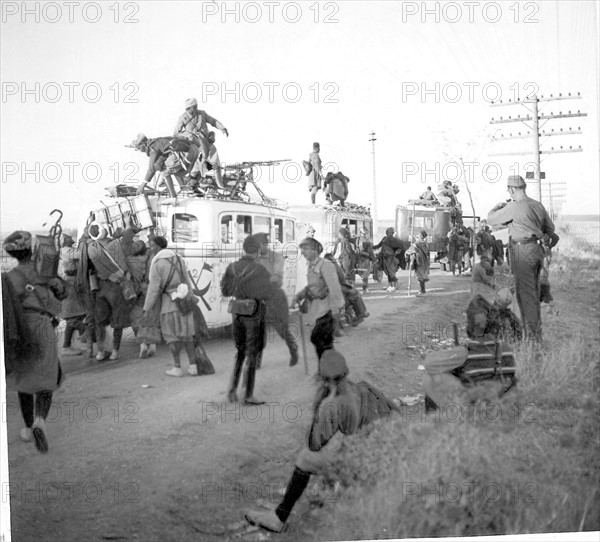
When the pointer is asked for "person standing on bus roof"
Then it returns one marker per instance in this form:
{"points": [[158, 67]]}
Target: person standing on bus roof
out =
{"points": [[315, 176]]}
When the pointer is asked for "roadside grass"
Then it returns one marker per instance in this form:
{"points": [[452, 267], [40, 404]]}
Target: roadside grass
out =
{"points": [[528, 462]]}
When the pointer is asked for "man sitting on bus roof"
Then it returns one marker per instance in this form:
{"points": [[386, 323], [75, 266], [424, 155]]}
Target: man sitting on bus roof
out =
{"points": [[428, 197]]}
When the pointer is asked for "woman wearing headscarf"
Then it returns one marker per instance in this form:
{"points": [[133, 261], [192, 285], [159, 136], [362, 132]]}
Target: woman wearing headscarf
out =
{"points": [[36, 366]]}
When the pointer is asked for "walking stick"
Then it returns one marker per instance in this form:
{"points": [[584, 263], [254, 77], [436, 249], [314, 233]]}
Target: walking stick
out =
{"points": [[412, 238], [303, 342]]}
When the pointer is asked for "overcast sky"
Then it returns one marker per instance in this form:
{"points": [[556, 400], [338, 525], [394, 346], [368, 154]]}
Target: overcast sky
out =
{"points": [[281, 75]]}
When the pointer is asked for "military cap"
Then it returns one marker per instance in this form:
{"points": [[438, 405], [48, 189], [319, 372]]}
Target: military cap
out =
{"points": [[333, 365], [516, 181], [141, 138], [191, 102]]}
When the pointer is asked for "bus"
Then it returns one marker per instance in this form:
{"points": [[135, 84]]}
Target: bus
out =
{"points": [[209, 233]]}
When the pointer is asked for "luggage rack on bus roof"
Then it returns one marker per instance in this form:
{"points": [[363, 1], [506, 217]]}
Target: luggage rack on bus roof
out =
{"points": [[349, 207]]}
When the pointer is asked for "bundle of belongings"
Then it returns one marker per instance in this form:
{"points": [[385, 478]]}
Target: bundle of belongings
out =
{"points": [[449, 371]]}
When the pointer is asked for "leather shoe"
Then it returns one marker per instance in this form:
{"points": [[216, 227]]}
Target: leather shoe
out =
{"points": [[232, 397], [294, 360], [267, 520], [253, 401]]}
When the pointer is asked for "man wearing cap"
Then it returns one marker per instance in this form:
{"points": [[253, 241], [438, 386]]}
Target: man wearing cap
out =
{"points": [[315, 175], [528, 222], [193, 125], [157, 150], [323, 295], [340, 408], [250, 284]]}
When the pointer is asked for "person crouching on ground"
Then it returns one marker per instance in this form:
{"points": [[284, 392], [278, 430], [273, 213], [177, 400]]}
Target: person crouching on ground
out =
{"points": [[31, 303], [250, 284], [341, 408], [169, 275], [420, 260]]}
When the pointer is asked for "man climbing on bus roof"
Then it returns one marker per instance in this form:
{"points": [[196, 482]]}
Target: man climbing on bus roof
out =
{"points": [[193, 125], [157, 151]]}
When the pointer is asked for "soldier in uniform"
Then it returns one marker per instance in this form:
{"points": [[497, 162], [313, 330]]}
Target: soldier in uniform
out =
{"points": [[528, 222], [157, 150], [193, 125]]}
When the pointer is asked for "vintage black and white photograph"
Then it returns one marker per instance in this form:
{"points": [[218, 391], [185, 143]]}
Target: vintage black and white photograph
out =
{"points": [[299, 270]]}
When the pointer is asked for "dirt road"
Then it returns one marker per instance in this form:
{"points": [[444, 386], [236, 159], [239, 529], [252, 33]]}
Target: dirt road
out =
{"points": [[137, 455]]}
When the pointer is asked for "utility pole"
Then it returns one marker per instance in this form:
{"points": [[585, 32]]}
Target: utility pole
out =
{"points": [[374, 205], [535, 133]]}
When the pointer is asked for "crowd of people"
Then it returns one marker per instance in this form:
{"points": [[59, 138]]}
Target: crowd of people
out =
{"points": [[119, 281]]}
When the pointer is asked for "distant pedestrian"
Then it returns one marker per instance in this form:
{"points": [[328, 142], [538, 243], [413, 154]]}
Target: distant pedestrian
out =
{"points": [[392, 249], [528, 221], [420, 260], [364, 263], [73, 308]]}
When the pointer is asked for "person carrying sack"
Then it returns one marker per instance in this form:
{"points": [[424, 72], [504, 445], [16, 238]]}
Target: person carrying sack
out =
{"points": [[250, 285], [114, 290], [170, 282]]}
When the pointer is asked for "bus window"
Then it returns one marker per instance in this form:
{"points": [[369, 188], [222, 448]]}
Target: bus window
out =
{"points": [[262, 224], [243, 227], [429, 222], [289, 231], [227, 229], [186, 228], [278, 231], [352, 226]]}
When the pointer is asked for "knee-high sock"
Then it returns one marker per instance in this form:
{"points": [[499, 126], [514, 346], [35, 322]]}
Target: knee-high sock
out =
{"points": [[295, 488]]}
